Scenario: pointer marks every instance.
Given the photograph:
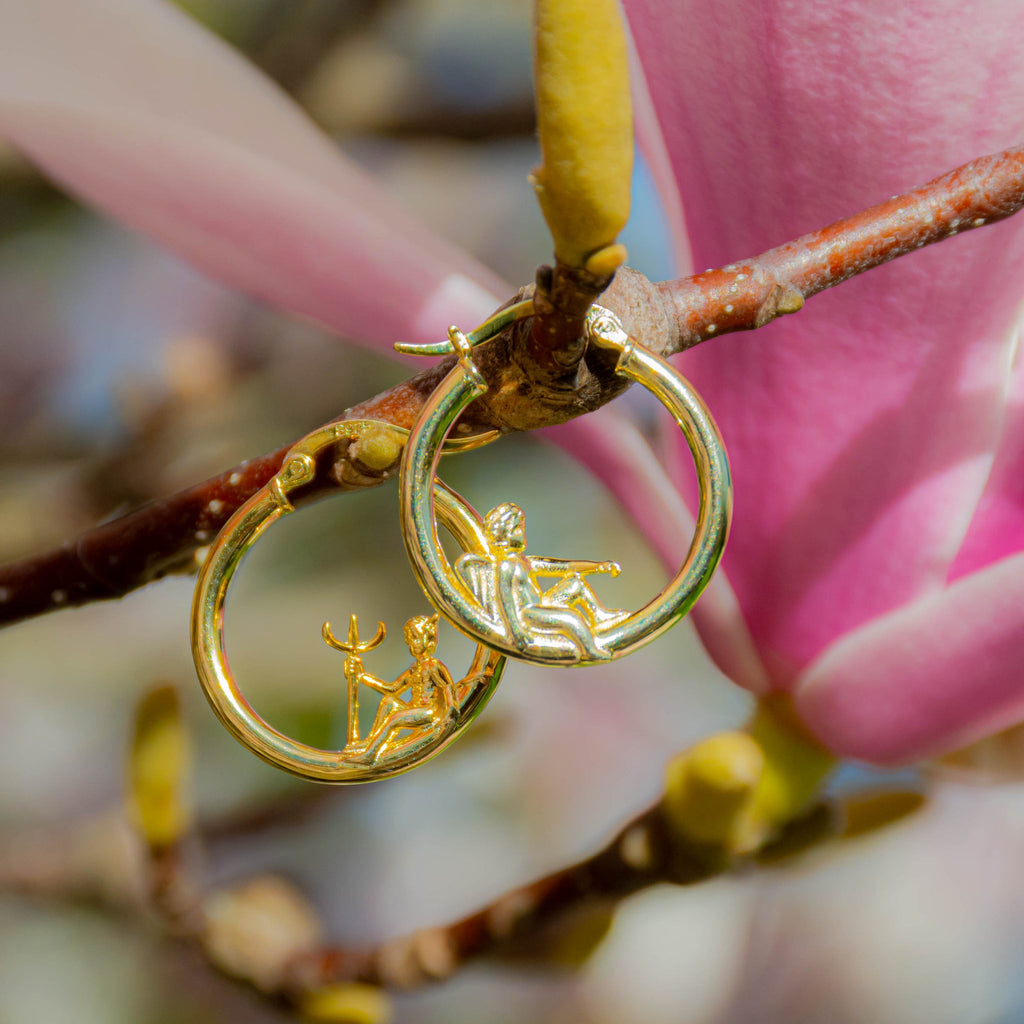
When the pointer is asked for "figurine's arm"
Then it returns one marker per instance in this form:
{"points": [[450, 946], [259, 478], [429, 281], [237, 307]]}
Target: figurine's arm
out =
{"points": [[383, 685], [442, 670], [442, 679], [540, 566]]}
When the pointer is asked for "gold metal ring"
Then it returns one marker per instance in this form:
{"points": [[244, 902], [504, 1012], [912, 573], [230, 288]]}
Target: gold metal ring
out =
{"points": [[497, 598], [407, 731]]}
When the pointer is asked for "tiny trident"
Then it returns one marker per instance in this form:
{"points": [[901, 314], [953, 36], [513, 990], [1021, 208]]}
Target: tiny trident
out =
{"points": [[353, 647]]}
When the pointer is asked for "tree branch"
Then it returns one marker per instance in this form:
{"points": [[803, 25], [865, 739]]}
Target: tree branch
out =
{"points": [[138, 881], [265, 932], [164, 536], [643, 853], [751, 293]]}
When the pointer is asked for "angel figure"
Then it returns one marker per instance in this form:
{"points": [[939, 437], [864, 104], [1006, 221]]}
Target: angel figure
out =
{"points": [[504, 583]]}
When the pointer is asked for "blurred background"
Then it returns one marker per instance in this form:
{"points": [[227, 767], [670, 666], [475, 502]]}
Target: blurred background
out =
{"points": [[125, 376]]}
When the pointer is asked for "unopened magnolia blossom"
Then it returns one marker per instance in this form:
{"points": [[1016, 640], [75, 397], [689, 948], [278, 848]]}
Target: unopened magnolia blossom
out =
{"points": [[875, 570]]}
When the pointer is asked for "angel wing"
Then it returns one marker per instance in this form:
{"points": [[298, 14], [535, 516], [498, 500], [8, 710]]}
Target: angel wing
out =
{"points": [[478, 573]]}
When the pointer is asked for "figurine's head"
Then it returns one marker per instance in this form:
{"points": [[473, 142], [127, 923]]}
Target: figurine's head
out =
{"points": [[506, 525], [421, 635]]}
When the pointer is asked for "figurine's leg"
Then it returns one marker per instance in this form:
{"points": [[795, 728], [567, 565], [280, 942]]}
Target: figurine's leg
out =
{"points": [[574, 590], [403, 718], [570, 624], [386, 706]]}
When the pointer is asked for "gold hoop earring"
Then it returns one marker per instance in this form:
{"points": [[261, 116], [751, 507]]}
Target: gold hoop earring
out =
{"points": [[495, 597], [405, 732]]}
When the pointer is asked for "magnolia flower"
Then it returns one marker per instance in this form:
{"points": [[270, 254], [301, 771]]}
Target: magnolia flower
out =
{"points": [[877, 558], [875, 571]]}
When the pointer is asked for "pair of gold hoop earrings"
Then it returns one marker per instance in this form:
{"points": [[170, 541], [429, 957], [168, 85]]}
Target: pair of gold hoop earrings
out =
{"points": [[492, 593]]}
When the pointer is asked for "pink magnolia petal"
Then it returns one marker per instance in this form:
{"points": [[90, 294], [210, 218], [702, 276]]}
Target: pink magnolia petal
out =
{"points": [[651, 141], [617, 453], [939, 673], [723, 631], [146, 59], [137, 109], [997, 529], [861, 431]]}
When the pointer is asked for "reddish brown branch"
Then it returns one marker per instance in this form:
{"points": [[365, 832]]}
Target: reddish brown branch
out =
{"points": [[525, 392], [751, 293], [561, 298], [117, 557]]}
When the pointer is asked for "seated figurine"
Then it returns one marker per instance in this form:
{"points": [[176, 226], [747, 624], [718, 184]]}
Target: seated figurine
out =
{"points": [[504, 584]]}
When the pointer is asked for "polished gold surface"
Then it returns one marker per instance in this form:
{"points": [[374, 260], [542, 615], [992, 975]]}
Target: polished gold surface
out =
{"points": [[419, 713], [494, 595], [491, 327], [429, 710], [505, 584]]}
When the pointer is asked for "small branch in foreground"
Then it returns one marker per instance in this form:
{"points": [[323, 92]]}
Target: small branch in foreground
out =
{"points": [[644, 853], [104, 863], [162, 537], [265, 932], [65, 866]]}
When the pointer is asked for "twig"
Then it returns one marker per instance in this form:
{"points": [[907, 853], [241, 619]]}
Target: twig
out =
{"points": [[247, 929], [162, 537], [561, 298], [644, 853], [751, 293], [117, 557]]}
